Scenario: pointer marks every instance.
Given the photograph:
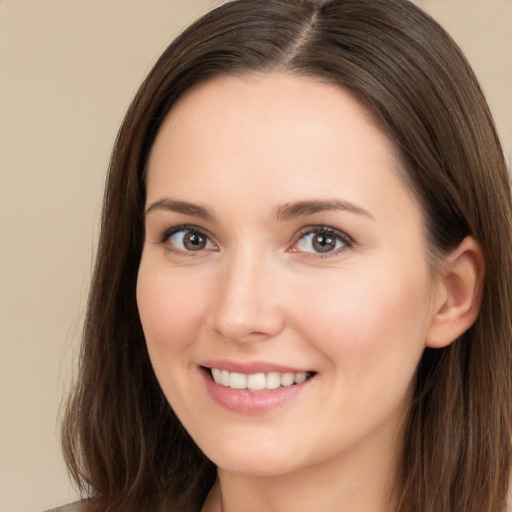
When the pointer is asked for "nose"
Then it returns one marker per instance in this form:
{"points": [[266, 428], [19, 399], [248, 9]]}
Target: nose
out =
{"points": [[247, 307]]}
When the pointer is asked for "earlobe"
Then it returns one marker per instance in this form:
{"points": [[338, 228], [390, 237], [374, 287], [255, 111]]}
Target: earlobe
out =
{"points": [[459, 294]]}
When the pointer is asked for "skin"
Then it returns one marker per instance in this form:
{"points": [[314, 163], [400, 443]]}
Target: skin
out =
{"points": [[242, 148]]}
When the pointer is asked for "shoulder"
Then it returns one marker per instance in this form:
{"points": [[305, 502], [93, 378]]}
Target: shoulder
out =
{"points": [[77, 506]]}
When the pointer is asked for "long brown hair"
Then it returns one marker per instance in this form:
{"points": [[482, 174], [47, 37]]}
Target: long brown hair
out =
{"points": [[122, 442]]}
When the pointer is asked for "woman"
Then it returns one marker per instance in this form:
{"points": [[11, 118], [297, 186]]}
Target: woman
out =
{"points": [[303, 284]]}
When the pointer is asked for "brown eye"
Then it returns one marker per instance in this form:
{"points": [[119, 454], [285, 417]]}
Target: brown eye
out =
{"points": [[323, 243], [194, 241], [322, 240], [187, 240]]}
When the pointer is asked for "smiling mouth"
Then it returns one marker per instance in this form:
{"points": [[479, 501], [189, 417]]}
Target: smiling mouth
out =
{"points": [[257, 381]]}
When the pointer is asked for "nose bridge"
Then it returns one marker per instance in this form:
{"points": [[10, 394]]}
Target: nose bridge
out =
{"points": [[247, 304]]}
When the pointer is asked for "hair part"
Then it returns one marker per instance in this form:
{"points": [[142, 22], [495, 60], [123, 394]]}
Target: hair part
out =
{"points": [[122, 442]]}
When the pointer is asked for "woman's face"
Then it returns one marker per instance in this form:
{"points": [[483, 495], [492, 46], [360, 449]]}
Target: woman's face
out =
{"points": [[284, 288]]}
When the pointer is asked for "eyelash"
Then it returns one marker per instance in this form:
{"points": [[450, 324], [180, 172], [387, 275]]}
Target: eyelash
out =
{"points": [[337, 235], [168, 233]]}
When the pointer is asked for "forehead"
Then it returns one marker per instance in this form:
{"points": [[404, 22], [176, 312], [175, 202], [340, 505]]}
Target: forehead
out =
{"points": [[262, 135], [262, 102]]}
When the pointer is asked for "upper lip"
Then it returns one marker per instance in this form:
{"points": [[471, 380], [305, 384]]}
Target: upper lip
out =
{"points": [[252, 367]]}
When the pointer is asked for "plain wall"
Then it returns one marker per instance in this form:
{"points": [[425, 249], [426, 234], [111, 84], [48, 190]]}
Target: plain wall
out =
{"points": [[68, 70]]}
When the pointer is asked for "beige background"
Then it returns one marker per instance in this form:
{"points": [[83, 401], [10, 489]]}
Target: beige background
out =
{"points": [[68, 69]]}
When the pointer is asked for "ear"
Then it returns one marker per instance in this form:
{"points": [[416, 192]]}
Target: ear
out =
{"points": [[459, 294]]}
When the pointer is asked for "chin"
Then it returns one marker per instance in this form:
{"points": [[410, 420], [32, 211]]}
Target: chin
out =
{"points": [[253, 459]]}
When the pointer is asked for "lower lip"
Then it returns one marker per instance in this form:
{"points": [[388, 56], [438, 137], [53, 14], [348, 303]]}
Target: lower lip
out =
{"points": [[252, 402]]}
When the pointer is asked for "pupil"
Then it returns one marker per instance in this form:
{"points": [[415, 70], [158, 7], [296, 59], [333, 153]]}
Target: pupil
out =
{"points": [[194, 241], [324, 243]]}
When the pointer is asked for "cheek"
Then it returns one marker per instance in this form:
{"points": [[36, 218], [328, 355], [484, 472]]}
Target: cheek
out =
{"points": [[169, 312], [368, 322]]}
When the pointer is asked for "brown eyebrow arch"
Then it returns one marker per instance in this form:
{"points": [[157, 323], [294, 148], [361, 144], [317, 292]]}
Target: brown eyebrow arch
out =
{"points": [[303, 208], [180, 207]]}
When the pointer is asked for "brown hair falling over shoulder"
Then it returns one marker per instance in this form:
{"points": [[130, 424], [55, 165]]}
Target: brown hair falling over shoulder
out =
{"points": [[123, 444]]}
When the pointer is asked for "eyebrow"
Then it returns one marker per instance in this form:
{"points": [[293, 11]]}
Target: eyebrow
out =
{"points": [[304, 208], [287, 211], [179, 207]]}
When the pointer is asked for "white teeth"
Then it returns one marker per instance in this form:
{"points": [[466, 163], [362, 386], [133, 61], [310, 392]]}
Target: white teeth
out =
{"points": [[300, 377], [237, 381], [216, 373], [257, 381], [273, 380], [287, 379]]}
